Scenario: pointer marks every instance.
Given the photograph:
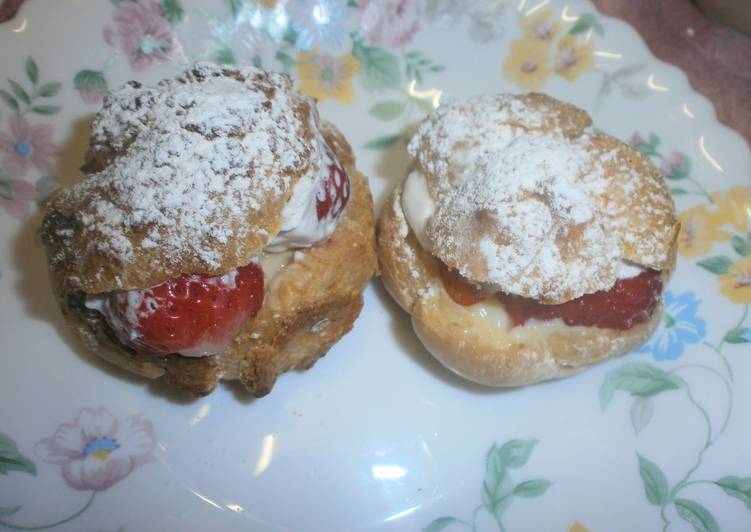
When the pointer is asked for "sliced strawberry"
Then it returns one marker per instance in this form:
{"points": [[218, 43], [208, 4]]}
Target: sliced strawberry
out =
{"points": [[458, 288], [333, 192], [193, 315], [628, 303]]}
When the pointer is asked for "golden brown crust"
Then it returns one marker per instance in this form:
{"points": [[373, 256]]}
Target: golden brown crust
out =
{"points": [[529, 202], [642, 216], [307, 307], [485, 115], [406, 268], [476, 348], [96, 240]]}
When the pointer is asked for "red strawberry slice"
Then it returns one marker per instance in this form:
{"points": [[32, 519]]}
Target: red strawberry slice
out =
{"points": [[628, 303], [333, 192], [192, 314], [459, 289]]}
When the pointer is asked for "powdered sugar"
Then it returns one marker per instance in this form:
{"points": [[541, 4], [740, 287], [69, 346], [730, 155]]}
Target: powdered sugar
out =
{"points": [[190, 160], [526, 205], [448, 142], [528, 202]]}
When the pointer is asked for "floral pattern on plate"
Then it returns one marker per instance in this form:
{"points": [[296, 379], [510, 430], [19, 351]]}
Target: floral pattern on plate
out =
{"points": [[544, 49], [94, 452], [385, 63], [26, 145]]}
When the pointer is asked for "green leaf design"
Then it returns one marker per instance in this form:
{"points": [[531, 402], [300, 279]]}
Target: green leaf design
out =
{"points": [[497, 488], [32, 70], [234, 7], [516, 453], [679, 191], [48, 90], [654, 141], [646, 149], [640, 379], [682, 171], [718, 265], [737, 335], [9, 100], [91, 80], [655, 483], [741, 246], [379, 67], [291, 36], [285, 59], [440, 524], [6, 191], [737, 487], [225, 56], [584, 23], [19, 463], [642, 408], [532, 488], [416, 64], [696, 515], [11, 459], [45, 109], [382, 143], [172, 11], [387, 110], [19, 92], [5, 511]]}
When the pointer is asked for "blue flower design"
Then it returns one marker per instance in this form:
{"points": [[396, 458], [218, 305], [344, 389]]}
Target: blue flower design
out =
{"points": [[319, 23], [679, 327]]}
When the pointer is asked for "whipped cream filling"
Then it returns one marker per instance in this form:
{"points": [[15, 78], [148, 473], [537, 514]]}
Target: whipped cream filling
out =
{"points": [[418, 207], [301, 227]]}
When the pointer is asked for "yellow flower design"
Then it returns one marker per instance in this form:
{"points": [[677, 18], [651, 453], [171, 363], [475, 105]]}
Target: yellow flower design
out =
{"points": [[700, 228], [578, 527], [734, 207], [573, 57], [528, 64], [541, 27], [325, 76], [736, 284]]}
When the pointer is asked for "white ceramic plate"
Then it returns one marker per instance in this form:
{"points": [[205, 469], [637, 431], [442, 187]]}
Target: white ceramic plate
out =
{"points": [[377, 435]]}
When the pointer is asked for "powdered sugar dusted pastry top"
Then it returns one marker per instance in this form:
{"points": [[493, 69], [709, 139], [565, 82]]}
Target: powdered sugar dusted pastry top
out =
{"points": [[528, 202], [190, 175]]}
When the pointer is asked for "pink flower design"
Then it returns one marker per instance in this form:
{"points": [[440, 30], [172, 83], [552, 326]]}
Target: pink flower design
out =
{"points": [[636, 140], [15, 196], [143, 34], [90, 96], [26, 145], [91, 85], [675, 161], [390, 23], [95, 451]]}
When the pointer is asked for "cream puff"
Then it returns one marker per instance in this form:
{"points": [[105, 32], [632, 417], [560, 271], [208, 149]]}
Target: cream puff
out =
{"points": [[524, 245], [222, 231]]}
